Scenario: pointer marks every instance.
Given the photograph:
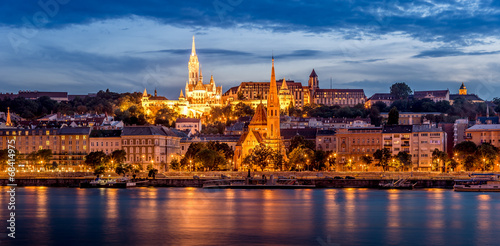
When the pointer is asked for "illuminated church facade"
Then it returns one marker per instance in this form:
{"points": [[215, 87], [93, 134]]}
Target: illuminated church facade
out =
{"points": [[264, 128], [197, 98]]}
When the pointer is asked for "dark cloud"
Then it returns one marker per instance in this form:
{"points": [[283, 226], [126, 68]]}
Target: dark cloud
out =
{"points": [[459, 22], [186, 52], [445, 52], [364, 61]]}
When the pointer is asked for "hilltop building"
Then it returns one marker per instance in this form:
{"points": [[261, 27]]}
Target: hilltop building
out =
{"points": [[251, 92], [197, 97]]}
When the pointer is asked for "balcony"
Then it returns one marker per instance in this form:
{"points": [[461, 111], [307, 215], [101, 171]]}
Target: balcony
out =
{"points": [[387, 138]]}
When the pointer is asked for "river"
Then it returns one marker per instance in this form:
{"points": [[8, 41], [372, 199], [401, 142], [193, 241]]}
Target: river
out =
{"points": [[194, 216]]}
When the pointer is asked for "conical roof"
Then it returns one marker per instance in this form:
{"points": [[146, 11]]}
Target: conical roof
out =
{"points": [[463, 86], [313, 74], [260, 116], [284, 86]]}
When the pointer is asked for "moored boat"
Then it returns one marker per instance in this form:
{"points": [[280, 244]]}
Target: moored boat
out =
{"points": [[479, 182], [402, 184], [108, 183], [250, 183]]}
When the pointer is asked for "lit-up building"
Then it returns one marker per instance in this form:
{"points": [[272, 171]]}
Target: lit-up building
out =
{"points": [[251, 93], [197, 98], [264, 128]]}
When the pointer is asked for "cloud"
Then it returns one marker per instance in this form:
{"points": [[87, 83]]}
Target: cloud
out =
{"points": [[445, 52], [364, 61], [459, 22]]}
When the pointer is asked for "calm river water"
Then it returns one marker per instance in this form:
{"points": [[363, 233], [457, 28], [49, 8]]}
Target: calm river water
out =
{"points": [[191, 216]]}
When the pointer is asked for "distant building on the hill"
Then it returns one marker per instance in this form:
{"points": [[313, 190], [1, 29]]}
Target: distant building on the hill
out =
{"points": [[386, 98], [436, 96], [197, 98], [462, 93], [251, 92]]}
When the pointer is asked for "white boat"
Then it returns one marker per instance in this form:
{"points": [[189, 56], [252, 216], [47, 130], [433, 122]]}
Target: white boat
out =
{"points": [[479, 182]]}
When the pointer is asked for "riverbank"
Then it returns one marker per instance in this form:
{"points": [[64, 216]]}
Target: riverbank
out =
{"points": [[190, 182]]}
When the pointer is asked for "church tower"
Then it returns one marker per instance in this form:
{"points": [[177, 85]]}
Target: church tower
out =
{"points": [[194, 66], [8, 122], [273, 112], [313, 80], [462, 90]]}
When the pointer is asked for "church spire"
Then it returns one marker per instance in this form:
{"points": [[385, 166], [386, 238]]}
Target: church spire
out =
{"points": [[273, 107], [145, 93], [193, 48], [8, 122], [181, 95]]}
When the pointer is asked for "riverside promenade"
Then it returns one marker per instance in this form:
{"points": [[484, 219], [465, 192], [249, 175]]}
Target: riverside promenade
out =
{"points": [[196, 179]]}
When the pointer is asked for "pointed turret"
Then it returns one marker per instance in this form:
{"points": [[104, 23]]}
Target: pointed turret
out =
{"points": [[8, 122], [273, 108], [193, 48], [462, 90], [181, 95], [212, 80], [193, 66], [313, 74], [284, 86], [145, 93], [156, 94]]}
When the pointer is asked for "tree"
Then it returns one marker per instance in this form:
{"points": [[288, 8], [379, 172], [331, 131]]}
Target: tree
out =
{"points": [[51, 166], [152, 171], [439, 157], [405, 160], [300, 156], [383, 156], [467, 152], [451, 164], [465, 148], [469, 162], [211, 159], [99, 170], [366, 160], [487, 154], [123, 169], [175, 165], [320, 157], [259, 157], [299, 140], [95, 159], [400, 90], [118, 156], [393, 117]]}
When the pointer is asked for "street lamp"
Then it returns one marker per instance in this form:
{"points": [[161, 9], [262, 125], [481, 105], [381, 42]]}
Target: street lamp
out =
{"points": [[190, 165]]}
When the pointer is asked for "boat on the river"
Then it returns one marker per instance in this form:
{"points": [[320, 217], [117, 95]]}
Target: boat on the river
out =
{"points": [[479, 182], [402, 184], [250, 183], [108, 183]]}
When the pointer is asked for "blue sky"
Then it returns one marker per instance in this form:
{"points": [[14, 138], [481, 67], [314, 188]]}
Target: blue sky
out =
{"points": [[86, 46]]}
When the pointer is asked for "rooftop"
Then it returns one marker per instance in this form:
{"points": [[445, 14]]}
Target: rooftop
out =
{"points": [[480, 127]]}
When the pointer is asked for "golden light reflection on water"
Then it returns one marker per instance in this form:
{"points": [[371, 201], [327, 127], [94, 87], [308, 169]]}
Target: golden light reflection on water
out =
{"points": [[484, 212], [394, 219], [111, 198], [436, 204]]}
